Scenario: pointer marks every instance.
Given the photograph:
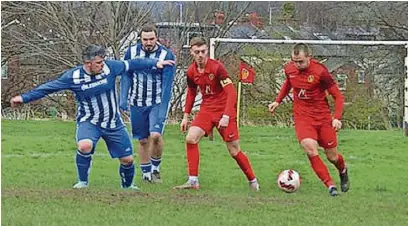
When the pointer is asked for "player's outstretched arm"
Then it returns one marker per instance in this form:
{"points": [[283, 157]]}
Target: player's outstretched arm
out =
{"points": [[145, 63], [284, 91], [15, 101], [162, 64], [61, 83]]}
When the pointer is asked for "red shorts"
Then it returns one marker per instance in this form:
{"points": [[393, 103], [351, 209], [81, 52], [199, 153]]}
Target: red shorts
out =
{"points": [[207, 121], [322, 132]]}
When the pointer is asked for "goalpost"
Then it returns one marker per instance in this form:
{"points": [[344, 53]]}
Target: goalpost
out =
{"points": [[213, 41]]}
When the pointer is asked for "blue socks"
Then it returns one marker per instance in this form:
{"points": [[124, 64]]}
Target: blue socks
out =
{"points": [[126, 173], [156, 163], [83, 162], [146, 167]]}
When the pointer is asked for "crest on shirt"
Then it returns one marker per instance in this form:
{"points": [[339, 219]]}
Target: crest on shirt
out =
{"points": [[211, 76], [244, 73], [310, 78]]}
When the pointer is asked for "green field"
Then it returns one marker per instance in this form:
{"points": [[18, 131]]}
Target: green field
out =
{"points": [[38, 170]]}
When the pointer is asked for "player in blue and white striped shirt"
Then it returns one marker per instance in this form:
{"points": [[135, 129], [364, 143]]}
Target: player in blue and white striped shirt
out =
{"points": [[149, 93], [93, 84]]}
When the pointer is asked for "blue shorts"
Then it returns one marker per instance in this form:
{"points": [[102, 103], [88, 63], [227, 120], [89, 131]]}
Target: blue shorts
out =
{"points": [[117, 141], [146, 120]]}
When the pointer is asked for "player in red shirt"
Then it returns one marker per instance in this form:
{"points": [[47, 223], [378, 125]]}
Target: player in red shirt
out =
{"points": [[314, 124], [218, 109]]}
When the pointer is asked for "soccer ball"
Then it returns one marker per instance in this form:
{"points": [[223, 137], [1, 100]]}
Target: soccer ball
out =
{"points": [[289, 181]]}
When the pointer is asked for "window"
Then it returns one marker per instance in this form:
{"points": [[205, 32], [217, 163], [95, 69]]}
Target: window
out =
{"points": [[4, 70], [361, 76], [321, 36], [342, 81]]}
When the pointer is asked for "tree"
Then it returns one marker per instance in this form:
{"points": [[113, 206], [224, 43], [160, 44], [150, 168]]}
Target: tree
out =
{"points": [[198, 18], [48, 37]]}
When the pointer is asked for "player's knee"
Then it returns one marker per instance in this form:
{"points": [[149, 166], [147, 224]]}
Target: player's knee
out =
{"points": [[233, 148], [233, 152], [85, 146], [331, 154], [127, 160], [143, 141], [331, 158], [310, 150], [191, 139], [156, 137]]}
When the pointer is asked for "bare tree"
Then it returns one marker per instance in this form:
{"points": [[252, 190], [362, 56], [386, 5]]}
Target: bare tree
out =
{"points": [[48, 37], [198, 19]]}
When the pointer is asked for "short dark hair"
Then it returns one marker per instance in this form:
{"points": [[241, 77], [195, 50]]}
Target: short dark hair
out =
{"points": [[198, 41], [301, 47], [92, 51], [148, 28]]}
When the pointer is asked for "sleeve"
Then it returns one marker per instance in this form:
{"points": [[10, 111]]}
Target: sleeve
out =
{"points": [[167, 86], [229, 89], [125, 83], [138, 64], [327, 82], [191, 94], [284, 91], [61, 83]]}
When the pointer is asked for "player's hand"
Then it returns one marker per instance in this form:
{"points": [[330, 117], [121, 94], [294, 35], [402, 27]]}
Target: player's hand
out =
{"points": [[183, 125], [125, 115], [15, 101], [224, 121], [161, 64], [336, 124], [123, 107], [273, 106]]}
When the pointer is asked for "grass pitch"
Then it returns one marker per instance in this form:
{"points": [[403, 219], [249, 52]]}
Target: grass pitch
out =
{"points": [[38, 170]]}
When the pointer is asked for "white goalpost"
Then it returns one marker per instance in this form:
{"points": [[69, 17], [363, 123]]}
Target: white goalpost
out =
{"points": [[213, 41]]}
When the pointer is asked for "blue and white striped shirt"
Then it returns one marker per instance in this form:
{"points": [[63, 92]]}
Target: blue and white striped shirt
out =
{"points": [[148, 86], [95, 94]]}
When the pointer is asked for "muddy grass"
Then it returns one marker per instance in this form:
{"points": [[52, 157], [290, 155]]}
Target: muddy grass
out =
{"points": [[113, 197]]}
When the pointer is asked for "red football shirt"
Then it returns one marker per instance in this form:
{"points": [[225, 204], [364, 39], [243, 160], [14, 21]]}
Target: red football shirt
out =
{"points": [[212, 84], [309, 91]]}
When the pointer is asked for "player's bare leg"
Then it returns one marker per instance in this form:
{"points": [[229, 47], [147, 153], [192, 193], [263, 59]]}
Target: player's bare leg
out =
{"points": [[310, 147], [156, 150], [243, 162], [193, 157], [144, 160], [337, 159]]}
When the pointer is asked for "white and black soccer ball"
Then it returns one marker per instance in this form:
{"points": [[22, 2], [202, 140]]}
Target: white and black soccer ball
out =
{"points": [[289, 181]]}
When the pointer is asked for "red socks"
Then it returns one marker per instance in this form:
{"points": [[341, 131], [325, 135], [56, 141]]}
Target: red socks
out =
{"points": [[340, 165], [321, 170], [193, 159], [245, 165]]}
